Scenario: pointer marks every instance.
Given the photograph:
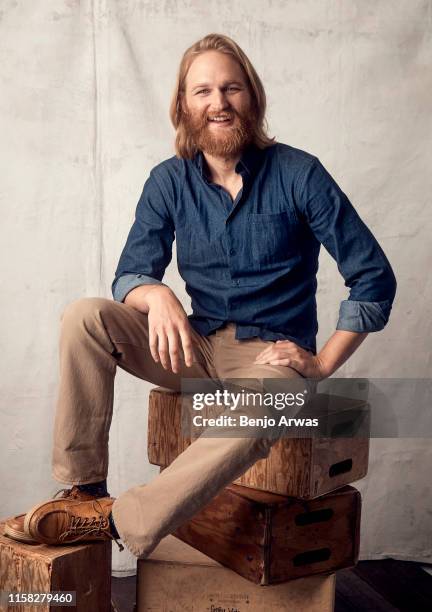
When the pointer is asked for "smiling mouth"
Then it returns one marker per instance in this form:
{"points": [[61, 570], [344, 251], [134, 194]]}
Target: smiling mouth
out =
{"points": [[220, 119]]}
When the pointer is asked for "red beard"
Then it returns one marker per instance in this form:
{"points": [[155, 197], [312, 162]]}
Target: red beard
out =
{"points": [[228, 141]]}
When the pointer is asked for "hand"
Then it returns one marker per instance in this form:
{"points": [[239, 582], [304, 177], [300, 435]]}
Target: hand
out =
{"points": [[167, 321], [287, 353]]}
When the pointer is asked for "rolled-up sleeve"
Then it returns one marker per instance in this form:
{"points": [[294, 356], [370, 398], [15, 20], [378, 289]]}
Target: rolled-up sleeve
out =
{"points": [[148, 248], [360, 259]]}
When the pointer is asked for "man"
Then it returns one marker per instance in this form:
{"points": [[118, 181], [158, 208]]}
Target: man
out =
{"points": [[249, 215]]}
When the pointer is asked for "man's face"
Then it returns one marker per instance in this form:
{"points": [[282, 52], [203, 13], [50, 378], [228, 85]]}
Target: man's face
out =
{"points": [[218, 106]]}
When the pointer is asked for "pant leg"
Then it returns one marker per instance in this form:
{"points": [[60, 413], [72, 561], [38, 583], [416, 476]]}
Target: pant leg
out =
{"points": [[146, 513], [97, 335]]}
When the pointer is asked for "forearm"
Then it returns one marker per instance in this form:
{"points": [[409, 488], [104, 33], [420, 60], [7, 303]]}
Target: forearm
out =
{"points": [[338, 348]]}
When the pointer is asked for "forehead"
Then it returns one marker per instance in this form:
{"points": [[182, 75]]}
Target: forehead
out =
{"points": [[214, 67]]}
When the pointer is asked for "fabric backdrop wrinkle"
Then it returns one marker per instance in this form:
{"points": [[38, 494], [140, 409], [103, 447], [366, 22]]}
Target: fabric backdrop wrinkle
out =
{"points": [[85, 92]]}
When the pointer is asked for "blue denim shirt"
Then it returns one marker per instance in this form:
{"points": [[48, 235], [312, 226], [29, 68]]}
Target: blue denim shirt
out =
{"points": [[254, 260]]}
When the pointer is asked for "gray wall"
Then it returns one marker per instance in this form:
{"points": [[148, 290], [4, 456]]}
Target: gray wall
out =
{"points": [[84, 117]]}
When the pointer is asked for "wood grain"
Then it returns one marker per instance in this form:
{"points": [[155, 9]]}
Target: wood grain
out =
{"points": [[84, 568]]}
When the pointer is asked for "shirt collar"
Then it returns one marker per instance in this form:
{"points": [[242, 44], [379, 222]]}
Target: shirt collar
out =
{"points": [[247, 166]]}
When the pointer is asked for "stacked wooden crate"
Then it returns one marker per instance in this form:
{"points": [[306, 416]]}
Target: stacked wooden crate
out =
{"points": [[46, 578], [177, 577], [292, 515]]}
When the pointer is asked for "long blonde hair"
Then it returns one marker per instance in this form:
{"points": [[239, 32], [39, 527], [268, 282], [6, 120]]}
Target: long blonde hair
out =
{"points": [[184, 146]]}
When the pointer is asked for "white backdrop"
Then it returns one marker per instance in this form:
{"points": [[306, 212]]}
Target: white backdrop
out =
{"points": [[85, 89]]}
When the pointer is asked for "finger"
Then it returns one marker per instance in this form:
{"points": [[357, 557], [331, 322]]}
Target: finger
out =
{"points": [[281, 361], [265, 353], [153, 344], [287, 343], [187, 344], [284, 343], [275, 352], [275, 361], [270, 344], [265, 358], [163, 349], [291, 363], [174, 353], [278, 354]]}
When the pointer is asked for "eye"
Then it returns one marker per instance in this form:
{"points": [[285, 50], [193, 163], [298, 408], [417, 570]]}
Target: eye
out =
{"points": [[203, 91], [233, 88]]}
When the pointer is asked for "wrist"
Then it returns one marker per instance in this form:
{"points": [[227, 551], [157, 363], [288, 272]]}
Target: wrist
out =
{"points": [[324, 369], [152, 291], [140, 297]]}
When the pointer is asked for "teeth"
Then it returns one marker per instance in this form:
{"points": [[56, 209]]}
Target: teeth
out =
{"points": [[220, 119]]}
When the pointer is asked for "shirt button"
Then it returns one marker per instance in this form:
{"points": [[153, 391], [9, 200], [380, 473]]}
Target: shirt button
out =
{"points": [[232, 251]]}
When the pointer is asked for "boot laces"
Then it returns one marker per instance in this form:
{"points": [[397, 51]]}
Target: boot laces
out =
{"points": [[68, 493], [81, 527], [73, 493]]}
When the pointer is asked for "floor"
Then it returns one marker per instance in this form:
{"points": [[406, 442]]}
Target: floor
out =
{"points": [[372, 586]]}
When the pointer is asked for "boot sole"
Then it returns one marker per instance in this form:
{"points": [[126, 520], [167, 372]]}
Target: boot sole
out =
{"points": [[18, 535]]}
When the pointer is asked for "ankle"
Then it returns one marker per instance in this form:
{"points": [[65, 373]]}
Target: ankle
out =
{"points": [[98, 489]]}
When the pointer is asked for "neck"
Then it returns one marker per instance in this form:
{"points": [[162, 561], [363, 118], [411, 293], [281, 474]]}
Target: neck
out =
{"points": [[222, 169]]}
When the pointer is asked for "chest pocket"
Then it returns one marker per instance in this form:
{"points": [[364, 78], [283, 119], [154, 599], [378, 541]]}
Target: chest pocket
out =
{"points": [[274, 238]]}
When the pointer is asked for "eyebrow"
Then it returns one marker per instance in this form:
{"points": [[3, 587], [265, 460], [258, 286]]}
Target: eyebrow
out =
{"points": [[223, 84]]}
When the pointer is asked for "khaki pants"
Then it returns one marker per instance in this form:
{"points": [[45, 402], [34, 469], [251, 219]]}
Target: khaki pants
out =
{"points": [[97, 335]]}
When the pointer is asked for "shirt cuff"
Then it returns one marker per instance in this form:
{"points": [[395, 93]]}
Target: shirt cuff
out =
{"points": [[126, 283], [363, 316]]}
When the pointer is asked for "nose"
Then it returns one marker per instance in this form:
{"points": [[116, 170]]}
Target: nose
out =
{"points": [[219, 101]]}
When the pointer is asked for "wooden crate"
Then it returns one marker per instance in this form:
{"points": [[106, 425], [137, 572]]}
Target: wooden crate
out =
{"points": [[178, 578], [270, 539], [84, 568], [297, 467]]}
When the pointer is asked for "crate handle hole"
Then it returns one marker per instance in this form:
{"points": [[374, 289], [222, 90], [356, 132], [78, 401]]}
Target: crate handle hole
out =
{"points": [[342, 467], [312, 556], [316, 516], [346, 429]]}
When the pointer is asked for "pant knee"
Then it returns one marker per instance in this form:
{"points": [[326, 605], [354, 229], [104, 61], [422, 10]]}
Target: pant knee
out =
{"points": [[83, 307], [83, 324], [83, 312]]}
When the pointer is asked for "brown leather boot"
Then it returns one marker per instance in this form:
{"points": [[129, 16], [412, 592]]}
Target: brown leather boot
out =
{"points": [[14, 527], [65, 521]]}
